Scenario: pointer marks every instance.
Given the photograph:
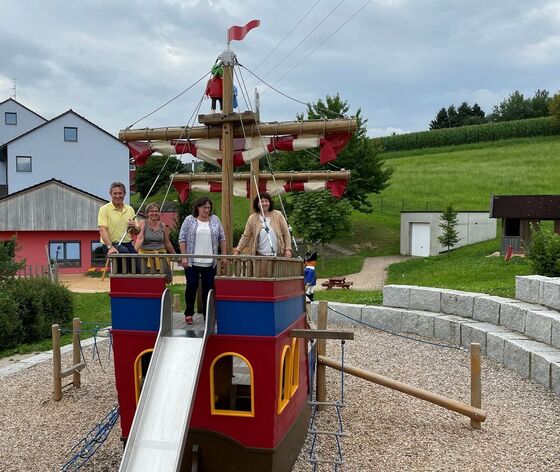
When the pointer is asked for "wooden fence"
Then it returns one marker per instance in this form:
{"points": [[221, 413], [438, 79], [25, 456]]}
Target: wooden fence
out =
{"points": [[254, 267]]}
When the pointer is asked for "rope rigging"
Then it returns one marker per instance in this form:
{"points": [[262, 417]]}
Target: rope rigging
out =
{"points": [[288, 34], [169, 101], [324, 41], [267, 155], [458, 348]]}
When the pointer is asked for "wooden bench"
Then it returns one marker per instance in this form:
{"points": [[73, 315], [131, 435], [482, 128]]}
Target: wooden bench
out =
{"points": [[337, 282]]}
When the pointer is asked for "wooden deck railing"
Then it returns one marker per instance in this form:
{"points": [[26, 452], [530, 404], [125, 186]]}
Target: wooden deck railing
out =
{"points": [[251, 267]]}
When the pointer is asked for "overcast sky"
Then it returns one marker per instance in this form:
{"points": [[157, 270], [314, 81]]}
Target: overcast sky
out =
{"points": [[114, 61]]}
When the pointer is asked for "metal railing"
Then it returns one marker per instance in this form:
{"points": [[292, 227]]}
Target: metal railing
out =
{"points": [[250, 267]]}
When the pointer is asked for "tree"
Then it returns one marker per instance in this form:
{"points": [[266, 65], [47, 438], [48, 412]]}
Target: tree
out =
{"points": [[360, 156], [464, 112], [453, 116], [441, 120], [184, 209], [8, 266], [517, 107], [146, 175], [319, 217], [540, 103], [448, 224], [554, 110]]}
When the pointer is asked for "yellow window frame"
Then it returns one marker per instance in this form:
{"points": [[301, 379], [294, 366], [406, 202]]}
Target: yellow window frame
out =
{"points": [[217, 411], [295, 366], [138, 373], [285, 378]]}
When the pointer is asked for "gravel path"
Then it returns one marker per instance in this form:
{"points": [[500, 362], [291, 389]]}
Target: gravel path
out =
{"points": [[388, 430]]}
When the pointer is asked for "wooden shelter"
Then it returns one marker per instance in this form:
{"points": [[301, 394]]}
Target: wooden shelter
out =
{"points": [[518, 212]]}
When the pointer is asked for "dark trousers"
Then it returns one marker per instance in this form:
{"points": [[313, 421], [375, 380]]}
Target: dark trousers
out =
{"points": [[214, 100], [123, 248], [192, 275]]}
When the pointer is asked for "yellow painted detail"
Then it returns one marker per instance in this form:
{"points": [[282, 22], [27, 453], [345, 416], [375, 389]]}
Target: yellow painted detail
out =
{"points": [[215, 397]]}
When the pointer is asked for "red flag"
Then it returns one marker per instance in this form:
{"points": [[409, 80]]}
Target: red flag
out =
{"points": [[237, 33]]}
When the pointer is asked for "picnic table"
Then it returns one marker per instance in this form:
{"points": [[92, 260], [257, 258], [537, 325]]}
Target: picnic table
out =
{"points": [[336, 282]]}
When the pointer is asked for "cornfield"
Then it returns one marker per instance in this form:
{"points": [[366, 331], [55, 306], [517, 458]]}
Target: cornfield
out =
{"points": [[529, 128]]}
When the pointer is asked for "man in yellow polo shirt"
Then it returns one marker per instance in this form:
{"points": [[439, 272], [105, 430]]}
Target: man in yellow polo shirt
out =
{"points": [[116, 220]]}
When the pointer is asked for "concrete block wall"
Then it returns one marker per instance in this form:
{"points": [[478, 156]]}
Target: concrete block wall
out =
{"points": [[520, 334]]}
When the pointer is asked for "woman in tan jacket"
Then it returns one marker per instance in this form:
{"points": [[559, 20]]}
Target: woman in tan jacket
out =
{"points": [[266, 232]]}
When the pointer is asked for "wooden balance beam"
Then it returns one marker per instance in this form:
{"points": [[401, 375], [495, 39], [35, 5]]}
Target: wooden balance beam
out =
{"points": [[475, 414]]}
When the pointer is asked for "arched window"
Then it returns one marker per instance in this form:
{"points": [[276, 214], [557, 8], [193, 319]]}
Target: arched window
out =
{"points": [[295, 366], [284, 384], [140, 369], [232, 386]]}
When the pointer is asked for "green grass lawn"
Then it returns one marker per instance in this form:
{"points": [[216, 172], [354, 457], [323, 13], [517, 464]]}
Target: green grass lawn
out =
{"points": [[92, 309], [468, 268]]}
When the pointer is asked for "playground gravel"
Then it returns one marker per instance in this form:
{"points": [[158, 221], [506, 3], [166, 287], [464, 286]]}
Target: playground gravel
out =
{"points": [[388, 430]]}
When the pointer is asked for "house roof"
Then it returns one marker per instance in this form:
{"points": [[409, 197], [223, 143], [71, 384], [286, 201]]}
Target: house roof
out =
{"points": [[51, 205], [56, 118], [23, 106], [48, 182], [526, 207]]}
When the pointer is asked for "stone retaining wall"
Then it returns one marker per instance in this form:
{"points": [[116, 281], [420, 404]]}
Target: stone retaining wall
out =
{"points": [[522, 335]]}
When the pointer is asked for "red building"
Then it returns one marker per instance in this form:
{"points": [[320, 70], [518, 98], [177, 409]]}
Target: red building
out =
{"points": [[53, 220]]}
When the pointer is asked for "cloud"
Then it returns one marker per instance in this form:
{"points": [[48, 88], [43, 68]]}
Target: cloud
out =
{"points": [[398, 60]]}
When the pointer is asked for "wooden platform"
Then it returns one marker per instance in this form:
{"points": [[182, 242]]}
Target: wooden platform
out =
{"points": [[216, 119]]}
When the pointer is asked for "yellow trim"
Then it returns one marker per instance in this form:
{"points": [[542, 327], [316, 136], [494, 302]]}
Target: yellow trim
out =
{"points": [[285, 375], [213, 409], [138, 373], [295, 366]]}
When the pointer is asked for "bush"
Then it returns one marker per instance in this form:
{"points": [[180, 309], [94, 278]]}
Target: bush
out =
{"points": [[40, 303], [529, 128], [543, 252], [11, 329]]}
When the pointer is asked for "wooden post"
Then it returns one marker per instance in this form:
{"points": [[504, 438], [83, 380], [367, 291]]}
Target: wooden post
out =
{"points": [[476, 384], [227, 157], [321, 392], [253, 190], [76, 352], [57, 380]]}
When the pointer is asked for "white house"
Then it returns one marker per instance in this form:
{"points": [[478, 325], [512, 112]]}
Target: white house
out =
{"points": [[15, 119], [68, 148]]}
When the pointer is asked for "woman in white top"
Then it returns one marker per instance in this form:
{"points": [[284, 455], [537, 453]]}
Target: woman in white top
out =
{"points": [[201, 234], [266, 232]]}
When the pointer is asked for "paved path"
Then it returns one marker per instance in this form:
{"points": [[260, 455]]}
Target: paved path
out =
{"points": [[371, 277], [373, 274]]}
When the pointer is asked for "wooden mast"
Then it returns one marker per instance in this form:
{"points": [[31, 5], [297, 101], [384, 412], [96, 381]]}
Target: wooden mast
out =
{"points": [[227, 126], [228, 59]]}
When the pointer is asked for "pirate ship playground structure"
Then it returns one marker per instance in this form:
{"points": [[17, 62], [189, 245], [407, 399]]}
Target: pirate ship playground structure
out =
{"points": [[233, 394]]}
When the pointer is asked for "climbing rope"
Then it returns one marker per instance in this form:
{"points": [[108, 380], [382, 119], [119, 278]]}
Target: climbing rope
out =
{"points": [[458, 348], [84, 449]]}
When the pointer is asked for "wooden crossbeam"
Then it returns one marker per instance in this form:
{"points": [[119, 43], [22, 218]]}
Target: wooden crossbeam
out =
{"points": [[71, 370], [244, 176], [321, 334], [323, 127]]}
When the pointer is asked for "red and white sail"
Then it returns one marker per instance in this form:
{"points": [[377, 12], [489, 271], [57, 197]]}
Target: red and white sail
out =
{"points": [[278, 187], [245, 149]]}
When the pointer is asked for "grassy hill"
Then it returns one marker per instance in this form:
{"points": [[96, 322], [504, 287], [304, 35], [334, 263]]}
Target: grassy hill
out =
{"points": [[428, 179], [465, 176]]}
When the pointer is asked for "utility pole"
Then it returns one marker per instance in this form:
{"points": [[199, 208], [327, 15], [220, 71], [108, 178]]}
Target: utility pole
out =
{"points": [[14, 88]]}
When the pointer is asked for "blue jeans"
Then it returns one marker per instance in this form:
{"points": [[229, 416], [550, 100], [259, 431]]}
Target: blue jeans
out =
{"points": [[192, 274]]}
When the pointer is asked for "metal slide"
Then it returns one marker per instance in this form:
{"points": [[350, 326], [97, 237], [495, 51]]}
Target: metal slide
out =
{"points": [[161, 423]]}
